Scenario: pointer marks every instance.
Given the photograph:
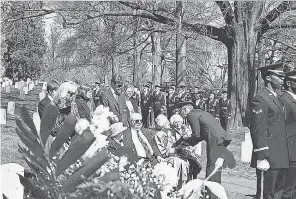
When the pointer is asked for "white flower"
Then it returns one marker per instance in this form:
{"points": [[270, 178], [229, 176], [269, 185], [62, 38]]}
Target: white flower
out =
{"points": [[99, 143], [168, 173], [81, 125]]}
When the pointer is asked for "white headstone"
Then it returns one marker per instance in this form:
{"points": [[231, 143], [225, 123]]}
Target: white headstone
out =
{"points": [[30, 86], [10, 108], [7, 89], [10, 82], [37, 121], [4, 84], [246, 151], [11, 186], [25, 89], [44, 86], [16, 85], [36, 83], [248, 137], [198, 149], [2, 116], [22, 94], [42, 95]]}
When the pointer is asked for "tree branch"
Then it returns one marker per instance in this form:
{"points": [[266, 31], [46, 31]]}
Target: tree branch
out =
{"points": [[292, 47], [226, 10], [265, 22]]}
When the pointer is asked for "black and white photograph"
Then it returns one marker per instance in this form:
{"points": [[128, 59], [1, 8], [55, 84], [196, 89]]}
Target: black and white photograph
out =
{"points": [[148, 99]]}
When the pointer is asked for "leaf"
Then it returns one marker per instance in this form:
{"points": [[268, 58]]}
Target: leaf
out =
{"points": [[48, 120], [191, 190], [216, 189], [111, 176], [40, 160], [88, 169], [77, 148], [27, 119], [26, 130], [63, 135], [33, 146]]}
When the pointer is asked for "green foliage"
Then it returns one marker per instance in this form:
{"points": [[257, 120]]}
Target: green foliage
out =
{"points": [[23, 40]]}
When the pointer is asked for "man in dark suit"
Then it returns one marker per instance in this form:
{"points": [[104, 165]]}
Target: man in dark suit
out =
{"points": [[52, 87], [204, 127], [170, 100], [114, 98], [140, 140], [158, 101], [224, 110], [97, 94], [269, 136], [289, 99], [145, 104], [212, 106]]}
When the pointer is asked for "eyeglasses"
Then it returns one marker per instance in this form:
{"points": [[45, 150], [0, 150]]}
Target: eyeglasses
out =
{"points": [[137, 121]]}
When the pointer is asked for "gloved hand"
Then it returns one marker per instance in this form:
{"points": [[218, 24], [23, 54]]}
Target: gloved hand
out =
{"points": [[263, 165]]}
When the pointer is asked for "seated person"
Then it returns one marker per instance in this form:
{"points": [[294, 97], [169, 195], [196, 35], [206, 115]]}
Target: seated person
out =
{"points": [[116, 136], [140, 140], [182, 158]]}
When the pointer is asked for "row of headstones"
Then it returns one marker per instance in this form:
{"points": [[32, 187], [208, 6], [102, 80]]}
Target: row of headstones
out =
{"points": [[11, 105]]}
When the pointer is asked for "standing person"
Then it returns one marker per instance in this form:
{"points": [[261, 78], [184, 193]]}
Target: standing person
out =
{"points": [[114, 98], [145, 104], [224, 110], [52, 87], [97, 94], [204, 127], [197, 99], [171, 101], [158, 101], [212, 106], [182, 95], [289, 99], [269, 136], [83, 103], [131, 102]]}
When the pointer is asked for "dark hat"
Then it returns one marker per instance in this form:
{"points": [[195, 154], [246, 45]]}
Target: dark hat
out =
{"points": [[157, 86], [181, 104], [146, 85], [276, 69], [182, 85], [291, 75], [117, 79], [172, 87]]}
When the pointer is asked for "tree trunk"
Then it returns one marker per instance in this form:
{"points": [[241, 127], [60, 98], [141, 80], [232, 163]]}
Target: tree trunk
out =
{"points": [[242, 71], [180, 47], [114, 65], [137, 57], [156, 58]]}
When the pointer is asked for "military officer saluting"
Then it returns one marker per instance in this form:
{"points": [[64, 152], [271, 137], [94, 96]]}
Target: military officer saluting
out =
{"points": [[289, 99], [224, 110], [269, 136], [212, 106], [170, 100]]}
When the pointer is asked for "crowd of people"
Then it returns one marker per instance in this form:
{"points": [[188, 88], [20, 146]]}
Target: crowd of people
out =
{"points": [[160, 124], [156, 126]]}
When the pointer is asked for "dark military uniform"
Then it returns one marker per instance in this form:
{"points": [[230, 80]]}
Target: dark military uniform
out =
{"points": [[158, 103], [224, 112], [170, 101], [289, 100], [182, 97], [269, 137], [198, 102], [145, 104], [212, 107]]}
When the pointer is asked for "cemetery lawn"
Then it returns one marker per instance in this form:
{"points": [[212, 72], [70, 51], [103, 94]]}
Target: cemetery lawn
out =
{"points": [[10, 141]]}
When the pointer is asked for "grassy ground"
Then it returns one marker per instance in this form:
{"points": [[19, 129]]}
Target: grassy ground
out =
{"points": [[10, 140]]}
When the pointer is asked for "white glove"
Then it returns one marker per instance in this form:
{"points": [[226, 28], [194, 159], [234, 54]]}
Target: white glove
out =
{"points": [[263, 165]]}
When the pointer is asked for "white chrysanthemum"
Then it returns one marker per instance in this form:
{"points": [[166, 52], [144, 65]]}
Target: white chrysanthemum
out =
{"points": [[169, 173], [102, 110], [81, 125], [99, 143]]}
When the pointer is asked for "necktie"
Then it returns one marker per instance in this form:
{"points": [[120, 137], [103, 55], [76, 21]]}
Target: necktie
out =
{"points": [[145, 146]]}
